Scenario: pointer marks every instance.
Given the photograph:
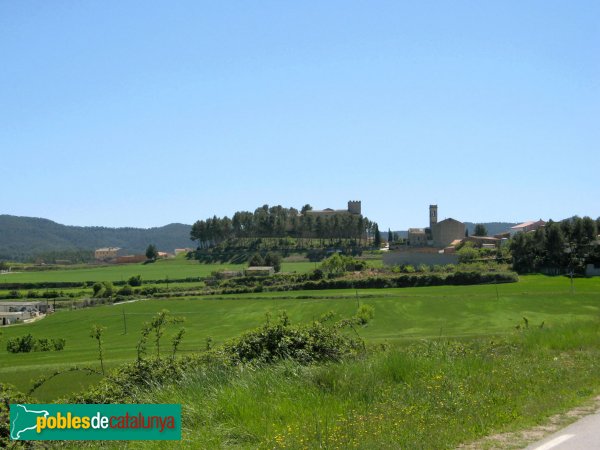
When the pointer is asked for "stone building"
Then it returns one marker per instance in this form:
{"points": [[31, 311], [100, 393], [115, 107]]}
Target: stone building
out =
{"points": [[106, 254], [354, 207], [417, 237], [439, 234]]}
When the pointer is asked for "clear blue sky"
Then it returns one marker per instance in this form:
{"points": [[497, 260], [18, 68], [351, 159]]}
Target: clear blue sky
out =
{"points": [[145, 113]]}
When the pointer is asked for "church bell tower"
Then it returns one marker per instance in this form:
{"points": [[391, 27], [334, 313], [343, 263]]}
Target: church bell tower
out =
{"points": [[432, 215]]}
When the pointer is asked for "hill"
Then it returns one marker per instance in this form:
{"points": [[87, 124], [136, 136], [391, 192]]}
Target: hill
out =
{"points": [[24, 238], [491, 227]]}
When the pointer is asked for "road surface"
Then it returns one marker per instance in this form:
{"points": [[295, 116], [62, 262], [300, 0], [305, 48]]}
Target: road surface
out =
{"points": [[581, 435]]}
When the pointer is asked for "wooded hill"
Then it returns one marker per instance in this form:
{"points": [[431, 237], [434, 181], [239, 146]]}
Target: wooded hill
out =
{"points": [[25, 238]]}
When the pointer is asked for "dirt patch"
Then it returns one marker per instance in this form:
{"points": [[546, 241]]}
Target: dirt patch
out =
{"points": [[520, 439]]}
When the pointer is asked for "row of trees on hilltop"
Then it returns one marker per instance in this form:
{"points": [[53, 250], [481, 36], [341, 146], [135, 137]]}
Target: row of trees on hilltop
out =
{"points": [[557, 247], [280, 222]]}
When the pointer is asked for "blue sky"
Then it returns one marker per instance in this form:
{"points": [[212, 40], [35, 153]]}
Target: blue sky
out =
{"points": [[146, 113]]}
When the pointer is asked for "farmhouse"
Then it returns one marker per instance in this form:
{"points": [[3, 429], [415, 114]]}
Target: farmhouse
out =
{"points": [[13, 312], [526, 227], [106, 253]]}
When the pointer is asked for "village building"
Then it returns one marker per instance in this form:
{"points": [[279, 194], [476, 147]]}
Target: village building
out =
{"points": [[106, 253], [439, 234], [526, 227], [16, 312]]}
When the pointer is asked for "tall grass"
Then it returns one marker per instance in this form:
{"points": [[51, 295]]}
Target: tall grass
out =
{"points": [[434, 394]]}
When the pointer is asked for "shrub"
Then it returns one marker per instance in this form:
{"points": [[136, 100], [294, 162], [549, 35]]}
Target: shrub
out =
{"points": [[256, 260], [364, 314], [273, 259], [28, 343], [24, 344], [58, 344], [305, 344], [97, 288], [125, 290], [135, 280]]}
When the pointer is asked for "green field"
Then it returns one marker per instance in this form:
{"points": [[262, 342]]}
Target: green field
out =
{"points": [[400, 315], [172, 268]]}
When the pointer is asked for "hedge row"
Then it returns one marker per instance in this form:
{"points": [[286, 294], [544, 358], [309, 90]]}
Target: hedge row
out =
{"points": [[84, 284]]}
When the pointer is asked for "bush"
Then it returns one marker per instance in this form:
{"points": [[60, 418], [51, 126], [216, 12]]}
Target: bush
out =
{"points": [[364, 314], [28, 343], [256, 260], [58, 344], [125, 290], [273, 259], [23, 344], [305, 344], [96, 288], [135, 280]]}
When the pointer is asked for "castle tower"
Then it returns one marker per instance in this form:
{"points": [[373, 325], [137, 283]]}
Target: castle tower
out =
{"points": [[432, 215], [354, 207]]}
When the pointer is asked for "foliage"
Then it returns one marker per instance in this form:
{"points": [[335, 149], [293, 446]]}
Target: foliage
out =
{"points": [[337, 264], [277, 221], [151, 252], [125, 290], [273, 259], [103, 290], [480, 230], [28, 343], [33, 239], [135, 280], [96, 333], [557, 247], [256, 260], [364, 314], [377, 237], [468, 253], [436, 393], [9, 395], [303, 343]]}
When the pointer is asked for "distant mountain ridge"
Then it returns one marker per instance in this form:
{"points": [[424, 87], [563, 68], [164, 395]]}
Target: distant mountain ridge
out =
{"points": [[22, 238]]}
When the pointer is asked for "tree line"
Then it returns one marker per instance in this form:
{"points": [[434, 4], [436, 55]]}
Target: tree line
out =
{"points": [[280, 222], [557, 247]]}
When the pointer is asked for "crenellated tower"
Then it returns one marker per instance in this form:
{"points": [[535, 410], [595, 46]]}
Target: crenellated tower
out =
{"points": [[354, 207]]}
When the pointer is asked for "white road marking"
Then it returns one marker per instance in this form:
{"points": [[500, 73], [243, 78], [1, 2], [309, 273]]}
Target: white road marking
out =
{"points": [[555, 442]]}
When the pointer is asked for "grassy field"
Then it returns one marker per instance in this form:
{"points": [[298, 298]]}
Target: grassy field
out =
{"points": [[401, 315], [172, 268], [436, 394]]}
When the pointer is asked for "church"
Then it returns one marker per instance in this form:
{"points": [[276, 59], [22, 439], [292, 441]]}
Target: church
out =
{"points": [[439, 234]]}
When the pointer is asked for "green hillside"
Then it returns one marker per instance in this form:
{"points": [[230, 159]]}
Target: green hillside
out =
{"points": [[23, 238]]}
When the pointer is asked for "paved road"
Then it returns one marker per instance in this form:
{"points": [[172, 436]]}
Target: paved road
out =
{"points": [[581, 435]]}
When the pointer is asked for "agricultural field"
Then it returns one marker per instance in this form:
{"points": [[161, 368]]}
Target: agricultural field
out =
{"points": [[401, 317], [177, 268]]}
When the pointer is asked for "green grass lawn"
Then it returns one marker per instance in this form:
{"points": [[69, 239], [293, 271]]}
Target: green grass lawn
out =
{"points": [[400, 315]]}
